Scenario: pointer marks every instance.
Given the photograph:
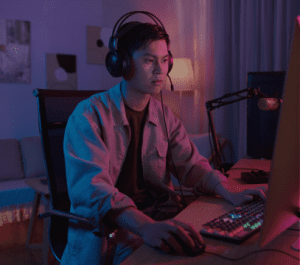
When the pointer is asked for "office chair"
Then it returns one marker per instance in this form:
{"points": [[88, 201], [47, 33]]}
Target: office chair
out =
{"points": [[54, 109]]}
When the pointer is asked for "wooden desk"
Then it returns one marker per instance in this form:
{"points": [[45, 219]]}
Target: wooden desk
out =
{"points": [[206, 208]]}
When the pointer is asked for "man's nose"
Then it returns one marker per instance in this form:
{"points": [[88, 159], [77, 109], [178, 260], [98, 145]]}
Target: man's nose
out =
{"points": [[158, 69]]}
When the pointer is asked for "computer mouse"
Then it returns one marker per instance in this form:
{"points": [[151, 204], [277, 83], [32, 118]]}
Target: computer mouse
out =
{"points": [[188, 251]]}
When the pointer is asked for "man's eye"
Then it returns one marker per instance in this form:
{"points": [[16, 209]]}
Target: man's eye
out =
{"points": [[148, 60]]}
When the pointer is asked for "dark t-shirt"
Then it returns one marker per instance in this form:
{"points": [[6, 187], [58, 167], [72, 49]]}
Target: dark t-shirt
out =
{"points": [[131, 181]]}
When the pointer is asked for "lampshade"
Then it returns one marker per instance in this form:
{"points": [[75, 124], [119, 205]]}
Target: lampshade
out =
{"points": [[182, 74]]}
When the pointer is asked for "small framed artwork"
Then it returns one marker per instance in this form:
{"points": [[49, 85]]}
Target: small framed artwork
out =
{"points": [[15, 51], [97, 44], [61, 71]]}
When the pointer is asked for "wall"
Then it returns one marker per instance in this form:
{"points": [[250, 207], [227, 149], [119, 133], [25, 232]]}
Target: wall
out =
{"points": [[60, 27]]}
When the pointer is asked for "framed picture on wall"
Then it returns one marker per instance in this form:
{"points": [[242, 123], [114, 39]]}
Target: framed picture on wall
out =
{"points": [[15, 51], [61, 71], [97, 44]]}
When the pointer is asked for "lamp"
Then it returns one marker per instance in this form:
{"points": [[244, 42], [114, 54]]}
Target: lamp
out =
{"points": [[182, 74], [183, 101]]}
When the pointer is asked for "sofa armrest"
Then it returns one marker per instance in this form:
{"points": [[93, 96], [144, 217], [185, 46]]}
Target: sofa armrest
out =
{"points": [[10, 160], [32, 157]]}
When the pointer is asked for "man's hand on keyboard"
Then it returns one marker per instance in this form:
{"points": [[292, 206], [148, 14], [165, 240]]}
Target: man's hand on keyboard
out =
{"points": [[238, 198]]}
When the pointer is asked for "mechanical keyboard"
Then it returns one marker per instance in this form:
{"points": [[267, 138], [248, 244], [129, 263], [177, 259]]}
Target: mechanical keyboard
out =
{"points": [[237, 225]]}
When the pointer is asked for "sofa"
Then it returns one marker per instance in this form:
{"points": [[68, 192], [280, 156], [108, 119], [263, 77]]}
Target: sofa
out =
{"points": [[22, 158]]}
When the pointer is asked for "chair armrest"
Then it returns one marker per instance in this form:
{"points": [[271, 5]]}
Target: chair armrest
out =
{"points": [[63, 214]]}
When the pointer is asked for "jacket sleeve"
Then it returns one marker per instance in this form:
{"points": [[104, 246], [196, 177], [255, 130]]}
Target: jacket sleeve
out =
{"points": [[87, 159], [193, 169]]}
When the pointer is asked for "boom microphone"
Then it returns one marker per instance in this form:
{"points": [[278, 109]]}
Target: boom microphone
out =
{"points": [[172, 87], [269, 103]]}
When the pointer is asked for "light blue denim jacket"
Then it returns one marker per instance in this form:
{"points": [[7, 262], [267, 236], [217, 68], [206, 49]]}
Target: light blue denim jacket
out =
{"points": [[95, 144]]}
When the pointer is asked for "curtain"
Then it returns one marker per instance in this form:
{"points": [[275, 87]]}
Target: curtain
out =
{"points": [[249, 36], [195, 41], [226, 39]]}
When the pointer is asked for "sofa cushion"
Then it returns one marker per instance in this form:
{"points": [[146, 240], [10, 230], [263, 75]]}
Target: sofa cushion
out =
{"points": [[10, 160], [15, 192], [32, 154]]}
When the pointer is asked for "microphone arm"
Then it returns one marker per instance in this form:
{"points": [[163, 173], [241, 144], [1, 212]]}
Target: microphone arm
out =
{"points": [[217, 103]]}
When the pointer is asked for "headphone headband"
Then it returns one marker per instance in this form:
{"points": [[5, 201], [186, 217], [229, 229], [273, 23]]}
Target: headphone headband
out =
{"points": [[118, 63], [127, 15]]}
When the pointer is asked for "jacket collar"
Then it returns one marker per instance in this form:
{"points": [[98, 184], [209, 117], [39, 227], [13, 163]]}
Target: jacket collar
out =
{"points": [[119, 113]]}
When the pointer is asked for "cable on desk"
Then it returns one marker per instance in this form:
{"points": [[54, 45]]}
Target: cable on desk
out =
{"points": [[257, 251]]}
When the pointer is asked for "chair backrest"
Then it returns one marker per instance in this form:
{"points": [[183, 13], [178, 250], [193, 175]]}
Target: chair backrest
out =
{"points": [[54, 109]]}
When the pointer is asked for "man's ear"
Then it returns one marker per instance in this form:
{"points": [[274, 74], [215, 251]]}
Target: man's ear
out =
{"points": [[130, 74]]}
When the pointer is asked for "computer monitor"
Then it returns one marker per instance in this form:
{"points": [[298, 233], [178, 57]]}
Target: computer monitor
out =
{"points": [[282, 205]]}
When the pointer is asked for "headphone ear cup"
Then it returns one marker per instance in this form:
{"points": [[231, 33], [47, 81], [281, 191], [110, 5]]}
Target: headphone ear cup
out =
{"points": [[117, 64], [170, 62], [113, 64]]}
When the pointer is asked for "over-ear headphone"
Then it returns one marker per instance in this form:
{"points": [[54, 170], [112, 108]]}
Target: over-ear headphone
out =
{"points": [[118, 63]]}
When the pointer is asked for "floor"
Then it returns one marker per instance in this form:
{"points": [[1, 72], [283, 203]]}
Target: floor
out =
{"points": [[12, 244]]}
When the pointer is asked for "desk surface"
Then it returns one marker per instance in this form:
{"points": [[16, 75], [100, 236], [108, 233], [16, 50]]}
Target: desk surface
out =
{"points": [[206, 208]]}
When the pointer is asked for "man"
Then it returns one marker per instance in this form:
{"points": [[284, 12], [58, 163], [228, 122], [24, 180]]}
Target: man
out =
{"points": [[118, 164]]}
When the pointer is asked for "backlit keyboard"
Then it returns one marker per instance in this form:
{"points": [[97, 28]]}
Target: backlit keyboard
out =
{"points": [[237, 225]]}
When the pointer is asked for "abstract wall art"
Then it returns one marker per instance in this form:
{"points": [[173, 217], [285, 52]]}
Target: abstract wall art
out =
{"points": [[97, 44], [15, 51], [61, 71]]}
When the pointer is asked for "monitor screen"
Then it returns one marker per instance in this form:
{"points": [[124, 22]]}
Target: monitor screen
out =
{"points": [[282, 205]]}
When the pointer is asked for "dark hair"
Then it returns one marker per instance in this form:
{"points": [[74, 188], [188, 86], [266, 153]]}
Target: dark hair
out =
{"points": [[135, 35]]}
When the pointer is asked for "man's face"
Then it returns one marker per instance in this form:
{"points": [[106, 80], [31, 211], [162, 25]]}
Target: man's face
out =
{"points": [[149, 68]]}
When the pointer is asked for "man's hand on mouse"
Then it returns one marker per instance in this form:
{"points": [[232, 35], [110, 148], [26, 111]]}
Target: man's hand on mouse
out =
{"points": [[159, 235]]}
